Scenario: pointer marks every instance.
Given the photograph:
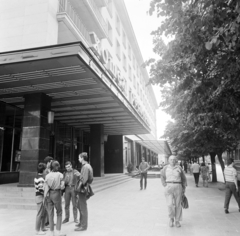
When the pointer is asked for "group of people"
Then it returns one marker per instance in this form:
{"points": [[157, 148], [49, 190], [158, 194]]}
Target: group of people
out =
{"points": [[50, 185], [174, 180]]}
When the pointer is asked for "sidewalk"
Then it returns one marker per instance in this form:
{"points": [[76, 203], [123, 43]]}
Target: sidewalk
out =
{"points": [[124, 210]]}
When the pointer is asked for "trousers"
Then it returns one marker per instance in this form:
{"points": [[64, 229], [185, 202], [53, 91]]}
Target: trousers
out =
{"points": [[83, 211], [173, 194], [41, 213], [143, 175], [231, 189], [70, 194], [54, 200], [196, 177]]}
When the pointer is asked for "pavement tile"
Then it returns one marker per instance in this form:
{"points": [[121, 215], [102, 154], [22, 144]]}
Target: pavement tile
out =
{"points": [[124, 210]]}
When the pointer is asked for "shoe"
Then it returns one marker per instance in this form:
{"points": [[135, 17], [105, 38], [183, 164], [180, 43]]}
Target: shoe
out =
{"points": [[196, 185], [47, 225], [80, 229], [226, 211], [171, 222], [44, 229], [40, 233], [75, 221], [178, 224], [78, 225], [65, 221], [140, 188]]}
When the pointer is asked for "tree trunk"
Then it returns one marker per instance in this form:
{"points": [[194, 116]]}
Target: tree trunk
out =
{"points": [[203, 158], [219, 154], [214, 173]]}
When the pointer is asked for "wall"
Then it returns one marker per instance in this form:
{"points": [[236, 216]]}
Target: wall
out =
{"points": [[27, 24]]}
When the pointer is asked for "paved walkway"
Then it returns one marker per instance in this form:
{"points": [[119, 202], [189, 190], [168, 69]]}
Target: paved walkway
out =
{"points": [[124, 210]]}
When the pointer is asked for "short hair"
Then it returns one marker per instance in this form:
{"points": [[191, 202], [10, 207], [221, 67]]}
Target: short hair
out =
{"points": [[41, 167], [203, 164], [68, 163], [174, 157], [229, 161], [55, 166], [84, 155], [48, 159]]}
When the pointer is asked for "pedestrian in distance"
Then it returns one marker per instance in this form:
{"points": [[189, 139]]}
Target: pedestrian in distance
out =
{"points": [[53, 185], [86, 178], [41, 210], [204, 171], [174, 180], [190, 168], [143, 168], [196, 172], [230, 174], [70, 178]]}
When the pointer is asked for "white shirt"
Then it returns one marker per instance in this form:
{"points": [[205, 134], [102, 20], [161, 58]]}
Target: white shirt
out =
{"points": [[195, 168]]}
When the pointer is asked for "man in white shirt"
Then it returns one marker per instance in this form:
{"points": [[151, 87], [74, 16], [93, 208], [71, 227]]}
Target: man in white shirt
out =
{"points": [[196, 170], [230, 174]]}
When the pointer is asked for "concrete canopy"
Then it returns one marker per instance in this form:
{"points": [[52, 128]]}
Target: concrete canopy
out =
{"points": [[82, 90], [157, 146]]}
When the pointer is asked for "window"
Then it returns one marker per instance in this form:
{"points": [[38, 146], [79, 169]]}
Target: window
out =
{"points": [[130, 73], [134, 81], [129, 52], [134, 62], [124, 39], [118, 25], [124, 62], [118, 50], [110, 34], [110, 6]]}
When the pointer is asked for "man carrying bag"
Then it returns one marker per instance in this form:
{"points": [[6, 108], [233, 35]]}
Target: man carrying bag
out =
{"points": [[83, 190]]}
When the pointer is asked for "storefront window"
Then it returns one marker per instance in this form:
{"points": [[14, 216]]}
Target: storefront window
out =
{"points": [[10, 137]]}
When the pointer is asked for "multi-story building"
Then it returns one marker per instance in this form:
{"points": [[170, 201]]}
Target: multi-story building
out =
{"points": [[71, 80]]}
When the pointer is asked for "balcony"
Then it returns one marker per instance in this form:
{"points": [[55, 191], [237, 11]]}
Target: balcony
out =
{"points": [[69, 16], [90, 13]]}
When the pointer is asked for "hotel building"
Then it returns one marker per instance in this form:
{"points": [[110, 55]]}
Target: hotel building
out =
{"points": [[71, 80]]}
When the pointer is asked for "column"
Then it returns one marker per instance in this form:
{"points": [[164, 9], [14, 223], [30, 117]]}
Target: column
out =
{"points": [[35, 136], [97, 149]]}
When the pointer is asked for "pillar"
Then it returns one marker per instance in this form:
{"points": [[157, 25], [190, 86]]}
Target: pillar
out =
{"points": [[97, 149], [35, 136]]}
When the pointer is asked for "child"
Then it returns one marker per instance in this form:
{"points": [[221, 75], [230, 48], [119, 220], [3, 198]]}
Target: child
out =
{"points": [[41, 211]]}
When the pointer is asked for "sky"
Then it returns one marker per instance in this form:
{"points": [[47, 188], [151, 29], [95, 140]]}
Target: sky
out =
{"points": [[143, 24]]}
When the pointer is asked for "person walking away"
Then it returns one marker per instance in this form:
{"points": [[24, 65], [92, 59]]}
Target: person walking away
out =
{"points": [[54, 182], [230, 174], [86, 178], [143, 168], [204, 171], [175, 183], [196, 171], [41, 211], [70, 179], [185, 165]]}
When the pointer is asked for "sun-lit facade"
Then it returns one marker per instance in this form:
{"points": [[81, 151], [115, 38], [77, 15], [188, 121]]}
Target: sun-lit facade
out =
{"points": [[80, 60]]}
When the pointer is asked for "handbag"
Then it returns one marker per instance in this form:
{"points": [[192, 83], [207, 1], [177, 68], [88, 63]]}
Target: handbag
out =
{"points": [[78, 186], [89, 192], [184, 202]]}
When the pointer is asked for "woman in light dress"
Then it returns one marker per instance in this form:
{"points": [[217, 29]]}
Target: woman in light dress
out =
{"points": [[204, 171]]}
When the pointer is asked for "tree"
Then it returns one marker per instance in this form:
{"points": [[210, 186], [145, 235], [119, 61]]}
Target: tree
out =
{"points": [[198, 72]]}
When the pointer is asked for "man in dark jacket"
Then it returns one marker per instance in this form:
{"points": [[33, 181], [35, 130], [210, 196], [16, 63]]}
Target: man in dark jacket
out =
{"points": [[70, 179]]}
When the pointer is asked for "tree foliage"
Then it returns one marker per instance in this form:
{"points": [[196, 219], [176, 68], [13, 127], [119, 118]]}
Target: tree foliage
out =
{"points": [[198, 71]]}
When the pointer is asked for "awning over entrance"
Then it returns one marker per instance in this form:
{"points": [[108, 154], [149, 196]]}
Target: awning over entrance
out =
{"points": [[82, 90], [158, 146]]}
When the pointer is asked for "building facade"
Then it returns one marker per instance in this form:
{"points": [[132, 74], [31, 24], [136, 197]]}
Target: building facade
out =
{"points": [[71, 81]]}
